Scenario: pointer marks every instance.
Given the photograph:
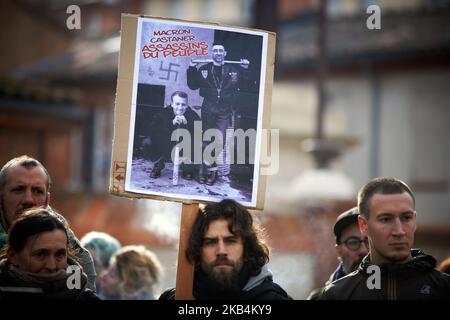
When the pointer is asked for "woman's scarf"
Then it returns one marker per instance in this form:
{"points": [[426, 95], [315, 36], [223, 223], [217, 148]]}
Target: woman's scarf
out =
{"points": [[57, 285]]}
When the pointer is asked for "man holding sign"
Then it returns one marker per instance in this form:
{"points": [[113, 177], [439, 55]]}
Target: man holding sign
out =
{"points": [[229, 254]]}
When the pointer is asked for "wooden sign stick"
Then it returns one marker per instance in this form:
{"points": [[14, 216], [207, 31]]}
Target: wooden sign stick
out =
{"points": [[185, 270]]}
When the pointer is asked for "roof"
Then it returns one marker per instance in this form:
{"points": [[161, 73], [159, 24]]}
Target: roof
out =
{"points": [[87, 60], [407, 33]]}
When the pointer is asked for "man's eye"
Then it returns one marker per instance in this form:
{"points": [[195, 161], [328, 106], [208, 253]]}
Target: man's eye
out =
{"points": [[407, 217], [208, 242], [40, 254], [61, 255]]}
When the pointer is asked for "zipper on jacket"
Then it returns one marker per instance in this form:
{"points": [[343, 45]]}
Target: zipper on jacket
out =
{"points": [[392, 287]]}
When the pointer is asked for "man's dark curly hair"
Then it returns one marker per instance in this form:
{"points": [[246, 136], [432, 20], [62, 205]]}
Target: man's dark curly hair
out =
{"points": [[241, 223]]}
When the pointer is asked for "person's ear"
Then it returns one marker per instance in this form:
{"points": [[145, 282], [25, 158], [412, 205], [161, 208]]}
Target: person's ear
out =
{"points": [[47, 202], [362, 222], [224, 53]]}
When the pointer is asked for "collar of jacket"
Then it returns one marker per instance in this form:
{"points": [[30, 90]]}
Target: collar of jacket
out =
{"points": [[419, 261], [255, 281], [337, 274]]}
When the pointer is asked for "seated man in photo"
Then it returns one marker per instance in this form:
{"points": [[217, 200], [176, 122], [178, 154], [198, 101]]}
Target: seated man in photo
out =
{"points": [[178, 116]]}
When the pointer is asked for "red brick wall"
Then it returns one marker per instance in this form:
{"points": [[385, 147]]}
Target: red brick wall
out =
{"points": [[45, 139], [24, 38], [57, 155]]}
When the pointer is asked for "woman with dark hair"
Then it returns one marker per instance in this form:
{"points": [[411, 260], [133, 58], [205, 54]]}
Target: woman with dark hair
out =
{"points": [[38, 262], [228, 249]]}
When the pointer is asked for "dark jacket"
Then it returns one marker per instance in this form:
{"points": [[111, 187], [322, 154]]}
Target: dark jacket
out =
{"points": [[259, 287], [220, 92], [415, 280], [160, 131], [337, 274]]}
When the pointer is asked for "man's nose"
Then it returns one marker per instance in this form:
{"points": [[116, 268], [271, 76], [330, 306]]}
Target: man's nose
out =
{"points": [[51, 264], [221, 248], [28, 199], [398, 228]]}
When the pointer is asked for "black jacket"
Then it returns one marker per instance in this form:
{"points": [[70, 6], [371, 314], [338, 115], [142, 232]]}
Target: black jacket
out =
{"points": [[220, 92], [259, 287], [160, 131], [337, 274], [415, 280]]}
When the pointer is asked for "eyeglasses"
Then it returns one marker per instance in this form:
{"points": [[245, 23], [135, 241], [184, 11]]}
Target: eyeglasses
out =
{"points": [[354, 243]]}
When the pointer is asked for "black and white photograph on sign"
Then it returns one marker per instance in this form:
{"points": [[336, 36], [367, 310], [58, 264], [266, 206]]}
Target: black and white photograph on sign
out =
{"points": [[196, 112]]}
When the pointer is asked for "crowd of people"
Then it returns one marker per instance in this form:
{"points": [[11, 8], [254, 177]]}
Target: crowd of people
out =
{"points": [[42, 258]]}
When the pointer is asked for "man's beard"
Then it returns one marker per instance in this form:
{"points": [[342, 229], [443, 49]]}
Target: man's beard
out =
{"points": [[227, 279]]}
